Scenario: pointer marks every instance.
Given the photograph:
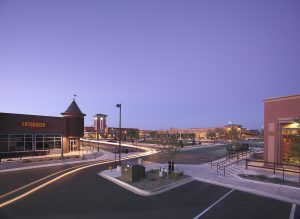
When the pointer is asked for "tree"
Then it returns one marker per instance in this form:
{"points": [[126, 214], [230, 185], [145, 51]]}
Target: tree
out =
{"points": [[233, 134], [211, 134], [133, 134], [153, 134], [220, 133], [171, 147]]}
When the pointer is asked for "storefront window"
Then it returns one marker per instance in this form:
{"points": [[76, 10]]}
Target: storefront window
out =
{"points": [[28, 143], [290, 145], [17, 143], [48, 142], [4, 143]]}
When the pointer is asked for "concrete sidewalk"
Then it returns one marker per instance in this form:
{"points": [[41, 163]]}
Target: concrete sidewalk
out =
{"points": [[206, 174], [16, 165], [112, 175]]}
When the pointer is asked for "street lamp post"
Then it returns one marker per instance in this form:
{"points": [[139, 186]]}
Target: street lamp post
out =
{"points": [[120, 131]]}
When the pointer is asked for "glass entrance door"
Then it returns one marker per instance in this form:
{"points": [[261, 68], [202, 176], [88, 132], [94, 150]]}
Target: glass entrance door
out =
{"points": [[72, 144]]}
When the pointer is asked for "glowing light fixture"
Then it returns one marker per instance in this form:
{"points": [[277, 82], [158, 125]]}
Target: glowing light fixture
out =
{"points": [[296, 124]]}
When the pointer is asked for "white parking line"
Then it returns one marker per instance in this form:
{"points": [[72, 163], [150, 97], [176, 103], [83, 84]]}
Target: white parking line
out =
{"points": [[207, 209], [292, 214]]}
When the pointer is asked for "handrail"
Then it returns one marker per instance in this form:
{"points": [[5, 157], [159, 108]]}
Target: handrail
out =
{"points": [[236, 162], [274, 168], [280, 164], [231, 157]]}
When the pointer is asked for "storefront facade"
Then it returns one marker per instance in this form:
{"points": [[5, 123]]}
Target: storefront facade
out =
{"points": [[25, 133], [282, 129]]}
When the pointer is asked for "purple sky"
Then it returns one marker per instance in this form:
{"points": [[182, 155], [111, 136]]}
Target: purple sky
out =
{"points": [[170, 63]]}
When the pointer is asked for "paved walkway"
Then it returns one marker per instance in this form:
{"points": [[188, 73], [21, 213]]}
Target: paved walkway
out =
{"points": [[52, 160], [205, 173]]}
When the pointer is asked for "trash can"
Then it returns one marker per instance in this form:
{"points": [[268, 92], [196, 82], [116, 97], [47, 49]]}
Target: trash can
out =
{"points": [[133, 173]]}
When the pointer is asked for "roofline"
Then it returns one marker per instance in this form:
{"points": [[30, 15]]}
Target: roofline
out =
{"points": [[100, 114], [20, 114], [295, 96], [73, 114], [232, 125]]}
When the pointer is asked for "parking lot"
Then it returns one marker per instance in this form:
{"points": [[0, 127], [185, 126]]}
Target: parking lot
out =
{"points": [[193, 156], [86, 195]]}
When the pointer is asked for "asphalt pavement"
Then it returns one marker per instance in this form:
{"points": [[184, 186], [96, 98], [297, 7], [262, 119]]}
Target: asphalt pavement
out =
{"points": [[84, 194], [193, 156]]}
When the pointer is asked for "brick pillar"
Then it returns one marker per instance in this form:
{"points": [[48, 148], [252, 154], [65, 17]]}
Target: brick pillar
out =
{"points": [[78, 144], [66, 144]]}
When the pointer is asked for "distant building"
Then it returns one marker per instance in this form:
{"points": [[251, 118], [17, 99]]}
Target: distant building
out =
{"points": [[127, 133], [217, 133], [99, 129], [281, 129], [200, 133], [144, 133], [252, 134], [238, 130], [100, 124]]}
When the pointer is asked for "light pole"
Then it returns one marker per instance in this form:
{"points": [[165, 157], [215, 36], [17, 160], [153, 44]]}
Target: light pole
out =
{"points": [[120, 132]]}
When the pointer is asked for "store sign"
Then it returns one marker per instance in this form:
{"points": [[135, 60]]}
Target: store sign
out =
{"points": [[33, 124]]}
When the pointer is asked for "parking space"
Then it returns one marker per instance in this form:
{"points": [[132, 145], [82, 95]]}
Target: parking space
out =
{"points": [[297, 212], [244, 205]]}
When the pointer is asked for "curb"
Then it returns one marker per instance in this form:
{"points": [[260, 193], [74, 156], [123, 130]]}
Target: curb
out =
{"points": [[267, 184], [44, 165], [145, 192], [64, 162], [51, 165]]}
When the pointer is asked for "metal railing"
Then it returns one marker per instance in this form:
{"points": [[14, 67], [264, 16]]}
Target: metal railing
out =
{"points": [[222, 164], [275, 167]]}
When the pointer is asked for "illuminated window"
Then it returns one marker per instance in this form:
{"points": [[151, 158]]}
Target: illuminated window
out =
{"points": [[48, 141]]}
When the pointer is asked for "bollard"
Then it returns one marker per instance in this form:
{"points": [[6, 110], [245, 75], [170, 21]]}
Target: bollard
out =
{"points": [[110, 168]]}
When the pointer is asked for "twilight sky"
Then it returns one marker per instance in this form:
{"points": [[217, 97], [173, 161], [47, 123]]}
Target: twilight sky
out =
{"points": [[170, 63]]}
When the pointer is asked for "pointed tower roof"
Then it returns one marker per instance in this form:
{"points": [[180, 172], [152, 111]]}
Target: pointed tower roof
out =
{"points": [[73, 110]]}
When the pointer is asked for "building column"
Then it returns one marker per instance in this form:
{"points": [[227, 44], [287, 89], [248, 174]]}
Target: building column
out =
{"points": [[78, 144], [66, 147]]}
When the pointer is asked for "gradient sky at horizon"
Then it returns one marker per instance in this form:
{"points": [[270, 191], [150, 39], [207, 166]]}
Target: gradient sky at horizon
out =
{"points": [[170, 63]]}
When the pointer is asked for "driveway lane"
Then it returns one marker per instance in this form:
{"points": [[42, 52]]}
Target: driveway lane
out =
{"points": [[15, 179], [84, 195]]}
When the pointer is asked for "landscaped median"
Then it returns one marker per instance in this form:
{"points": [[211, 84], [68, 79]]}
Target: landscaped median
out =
{"points": [[152, 184]]}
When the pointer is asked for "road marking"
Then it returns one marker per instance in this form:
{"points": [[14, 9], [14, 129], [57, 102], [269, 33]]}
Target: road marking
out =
{"points": [[207, 209], [39, 180], [149, 151], [10, 201], [292, 214]]}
